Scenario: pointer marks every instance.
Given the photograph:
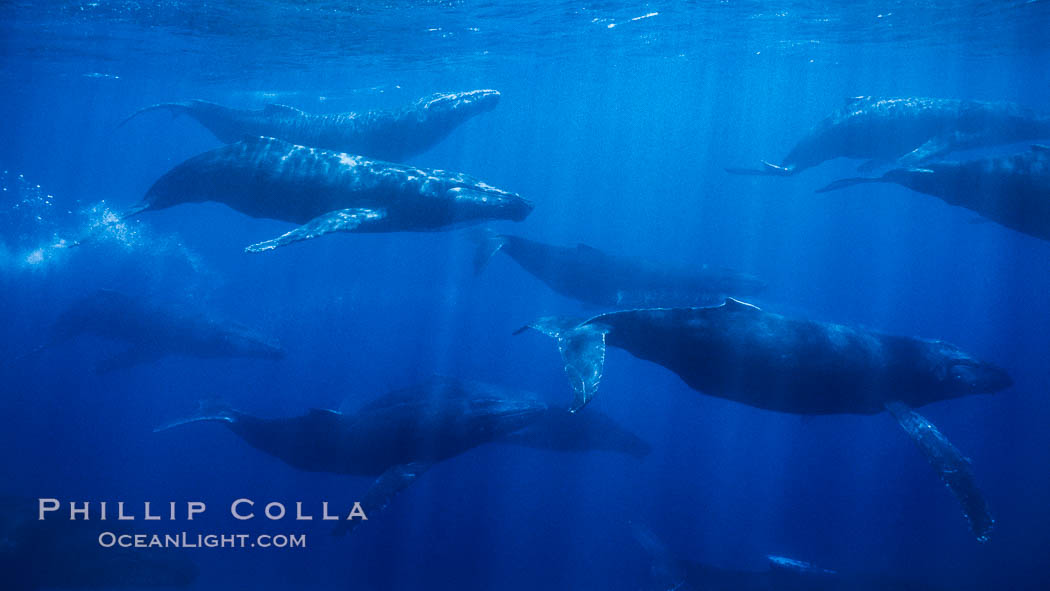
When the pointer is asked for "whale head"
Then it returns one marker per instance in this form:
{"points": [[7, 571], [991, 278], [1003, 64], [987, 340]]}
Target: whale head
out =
{"points": [[478, 201], [960, 374], [468, 103]]}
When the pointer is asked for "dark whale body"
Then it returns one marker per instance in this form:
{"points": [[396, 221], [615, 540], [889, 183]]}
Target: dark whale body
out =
{"points": [[329, 191], [741, 353], [1011, 190], [59, 553], [783, 574], [383, 135], [594, 277], [153, 330], [908, 131], [400, 435]]}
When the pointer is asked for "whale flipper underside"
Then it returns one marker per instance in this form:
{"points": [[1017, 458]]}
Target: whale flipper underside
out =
{"points": [[343, 220], [385, 488], [582, 348], [953, 467]]}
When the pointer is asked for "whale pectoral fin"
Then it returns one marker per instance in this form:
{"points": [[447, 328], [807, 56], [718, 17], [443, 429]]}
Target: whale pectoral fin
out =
{"points": [[276, 109], [488, 244], [343, 220], [872, 164], [666, 569], [950, 464], [176, 109], [582, 348], [767, 169], [935, 148], [210, 410], [130, 358], [385, 488], [843, 183]]}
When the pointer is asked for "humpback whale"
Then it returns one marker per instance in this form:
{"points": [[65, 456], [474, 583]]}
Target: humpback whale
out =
{"points": [[66, 554], [739, 352], [328, 192], [154, 330], [783, 574], [399, 436], [908, 131], [383, 135], [594, 277], [1012, 190]]}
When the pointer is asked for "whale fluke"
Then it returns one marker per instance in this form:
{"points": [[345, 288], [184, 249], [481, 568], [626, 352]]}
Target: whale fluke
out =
{"points": [[176, 109], [843, 183], [953, 467], [768, 169]]}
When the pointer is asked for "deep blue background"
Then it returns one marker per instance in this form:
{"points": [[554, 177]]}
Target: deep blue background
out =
{"points": [[619, 135]]}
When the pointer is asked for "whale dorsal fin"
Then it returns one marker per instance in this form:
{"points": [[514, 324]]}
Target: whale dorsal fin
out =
{"points": [[275, 109], [734, 304]]}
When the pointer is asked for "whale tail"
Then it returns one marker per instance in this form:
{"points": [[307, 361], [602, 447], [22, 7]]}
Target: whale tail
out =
{"points": [[767, 169], [488, 243], [175, 109], [843, 183], [582, 348], [212, 410]]}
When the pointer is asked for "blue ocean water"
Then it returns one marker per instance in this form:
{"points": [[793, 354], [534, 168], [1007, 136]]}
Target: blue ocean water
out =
{"points": [[617, 120]]}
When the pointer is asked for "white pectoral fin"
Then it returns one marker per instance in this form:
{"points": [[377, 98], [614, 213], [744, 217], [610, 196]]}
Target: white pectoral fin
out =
{"points": [[934, 148], [385, 488], [342, 220], [582, 348], [953, 468]]}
